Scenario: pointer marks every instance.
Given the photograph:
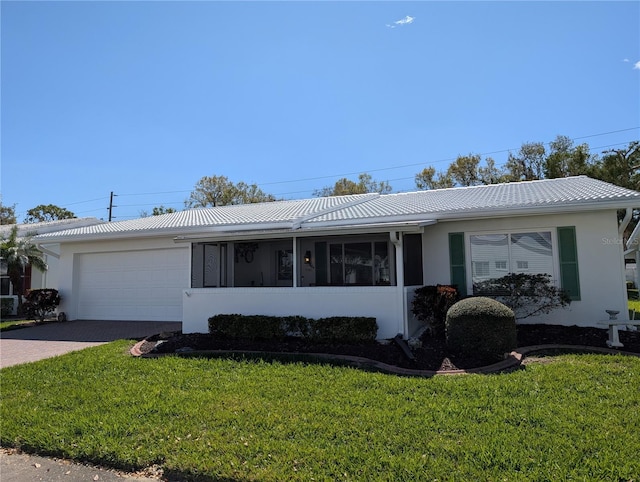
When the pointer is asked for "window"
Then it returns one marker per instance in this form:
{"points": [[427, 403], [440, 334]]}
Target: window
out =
{"points": [[493, 255], [5, 286], [208, 265], [481, 269], [359, 263]]}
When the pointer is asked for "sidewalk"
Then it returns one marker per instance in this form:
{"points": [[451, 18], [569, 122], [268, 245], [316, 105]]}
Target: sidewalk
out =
{"points": [[57, 338], [16, 467]]}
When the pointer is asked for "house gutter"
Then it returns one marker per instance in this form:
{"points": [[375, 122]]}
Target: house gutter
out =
{"points": [[413, 227], [396, 238]]}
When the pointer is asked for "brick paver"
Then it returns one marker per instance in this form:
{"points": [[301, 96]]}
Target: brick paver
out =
{"points": [[53, 339]]}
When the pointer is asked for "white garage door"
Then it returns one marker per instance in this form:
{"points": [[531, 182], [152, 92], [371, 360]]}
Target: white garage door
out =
{"points": [[132, 285]]}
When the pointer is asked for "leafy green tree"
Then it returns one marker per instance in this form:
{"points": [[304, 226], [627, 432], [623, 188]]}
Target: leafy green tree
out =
{"points": [[428, 178], [527, 164], [490, 173], [620, 166], [47, 212], [345, 186], [7, 214], [565, 159], [160, 210], [219, 191], [18, 253], [464, 170]]}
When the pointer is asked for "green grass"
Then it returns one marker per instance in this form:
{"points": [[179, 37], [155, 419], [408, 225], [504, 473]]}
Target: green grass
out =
{"points": [[573, 419], [634, 305], [14, 324]]}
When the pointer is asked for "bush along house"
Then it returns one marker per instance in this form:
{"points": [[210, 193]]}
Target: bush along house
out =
{"points": [[356, 255]]}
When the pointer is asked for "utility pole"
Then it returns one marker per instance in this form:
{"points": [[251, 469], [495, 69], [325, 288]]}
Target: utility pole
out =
{"points": [[111, 206]]}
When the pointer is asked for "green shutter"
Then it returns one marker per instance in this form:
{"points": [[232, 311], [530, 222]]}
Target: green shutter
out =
{"points": [[568, 254], [456, 261]]}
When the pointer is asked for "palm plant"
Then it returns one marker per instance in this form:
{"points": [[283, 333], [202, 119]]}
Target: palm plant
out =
{"points": [[17, 254]]}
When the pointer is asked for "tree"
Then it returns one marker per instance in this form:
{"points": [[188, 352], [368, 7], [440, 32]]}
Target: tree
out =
{"points": [[527, 164], [7, 214], [160, 210], [345, 186], [526, 294], [490, 174], [47, 212], [464, 170], [620, 166], [17, 253], [565, 160], [428, 178], [219, 191]]}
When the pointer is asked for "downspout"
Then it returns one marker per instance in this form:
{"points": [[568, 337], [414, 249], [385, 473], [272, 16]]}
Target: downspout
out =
{"points": [[396, 239], [625, 222]]}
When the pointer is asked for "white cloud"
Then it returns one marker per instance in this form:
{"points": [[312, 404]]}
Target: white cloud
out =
{"points": [[636, 66], [625, 60], [403, 21]]}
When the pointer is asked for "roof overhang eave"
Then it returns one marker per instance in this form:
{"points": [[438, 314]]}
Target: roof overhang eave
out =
{"points": [[538, 209], [158, 233], [334, 230]]}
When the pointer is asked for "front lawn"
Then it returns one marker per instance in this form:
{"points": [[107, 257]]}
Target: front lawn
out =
{"points": [[634, 309], [6, 325], [575, 418]]}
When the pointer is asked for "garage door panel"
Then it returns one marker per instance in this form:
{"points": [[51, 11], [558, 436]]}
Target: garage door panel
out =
{"points": [[135, 285]]}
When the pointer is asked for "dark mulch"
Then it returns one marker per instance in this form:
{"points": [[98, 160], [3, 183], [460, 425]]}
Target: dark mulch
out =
{"points": [[432, 355]]}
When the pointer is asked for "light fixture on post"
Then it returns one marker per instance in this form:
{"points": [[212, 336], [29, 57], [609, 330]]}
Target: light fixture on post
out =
{"points": [[307, 258]]}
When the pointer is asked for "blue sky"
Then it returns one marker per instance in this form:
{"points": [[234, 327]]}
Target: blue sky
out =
{"points": [[145, 98]]}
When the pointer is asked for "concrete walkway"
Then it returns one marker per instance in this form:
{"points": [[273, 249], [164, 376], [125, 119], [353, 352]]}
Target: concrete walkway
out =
{"points": [[52, 339], [17, 467]]}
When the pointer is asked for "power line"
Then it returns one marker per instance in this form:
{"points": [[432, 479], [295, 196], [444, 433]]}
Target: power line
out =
{"points": [[334, 176]]}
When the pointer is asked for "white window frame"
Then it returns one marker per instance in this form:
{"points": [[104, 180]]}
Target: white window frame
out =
{"points": [[554, 249], [501, 268]]}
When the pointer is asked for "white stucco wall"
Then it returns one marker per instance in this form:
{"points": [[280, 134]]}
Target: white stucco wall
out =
{"points": [[48, 279], [600, 260], [382, 302]]}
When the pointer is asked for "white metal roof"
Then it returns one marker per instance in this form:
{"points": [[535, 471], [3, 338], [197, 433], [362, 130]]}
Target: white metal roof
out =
{"points": [[531, 197], [32, 229]]}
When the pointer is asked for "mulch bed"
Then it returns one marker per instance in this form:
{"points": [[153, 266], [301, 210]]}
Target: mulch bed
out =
{"points": [[431, 355]]}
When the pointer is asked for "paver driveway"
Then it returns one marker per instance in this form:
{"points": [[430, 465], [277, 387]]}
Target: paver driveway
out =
{"points": [[52, 339]]}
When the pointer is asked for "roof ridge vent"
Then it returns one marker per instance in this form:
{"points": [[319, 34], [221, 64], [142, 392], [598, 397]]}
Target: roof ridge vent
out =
{"points": [[361, 198]]}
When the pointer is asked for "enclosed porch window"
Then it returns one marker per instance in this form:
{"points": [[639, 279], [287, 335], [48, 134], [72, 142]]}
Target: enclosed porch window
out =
{"points": [[333, 261], [242, 264], [348, 261]]}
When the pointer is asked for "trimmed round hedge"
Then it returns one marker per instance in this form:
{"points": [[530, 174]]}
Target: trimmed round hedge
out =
{"points": [[481, 327]]}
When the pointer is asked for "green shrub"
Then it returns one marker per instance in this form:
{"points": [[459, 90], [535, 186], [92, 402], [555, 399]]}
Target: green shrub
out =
{"points": [[40, 303], [6, 307], [431, 303], [252, 327], [344, 329], [481, 327], [526, 294], [246, 326]]}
